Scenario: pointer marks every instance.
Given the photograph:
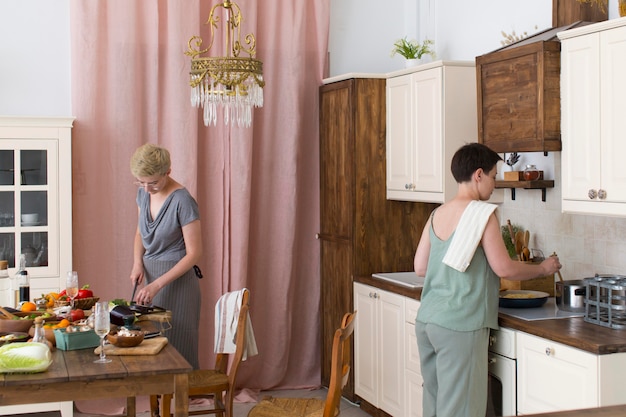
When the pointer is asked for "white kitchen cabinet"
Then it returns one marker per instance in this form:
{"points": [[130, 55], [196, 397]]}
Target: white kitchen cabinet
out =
{"points": [[36, 178], [378, 348], [555, 377], [593, 104], [412, 371], [431, 112]]}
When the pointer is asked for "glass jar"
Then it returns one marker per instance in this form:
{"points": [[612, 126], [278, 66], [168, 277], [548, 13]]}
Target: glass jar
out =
{"points": [[531, 173]]}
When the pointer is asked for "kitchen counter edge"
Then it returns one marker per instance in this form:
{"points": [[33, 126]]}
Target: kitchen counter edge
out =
{"points": [[574, 332]]}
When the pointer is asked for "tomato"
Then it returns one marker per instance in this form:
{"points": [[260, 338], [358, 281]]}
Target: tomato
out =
{"points": [[76, 314], [84, 292]]}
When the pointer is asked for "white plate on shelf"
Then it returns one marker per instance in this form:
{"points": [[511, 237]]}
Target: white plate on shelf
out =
{"points": [[31, 223]]}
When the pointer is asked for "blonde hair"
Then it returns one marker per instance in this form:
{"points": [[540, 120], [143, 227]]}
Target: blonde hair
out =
{"points": [[148, 160]]}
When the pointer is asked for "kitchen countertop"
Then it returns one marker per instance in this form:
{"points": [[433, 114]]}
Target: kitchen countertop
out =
{"points": [[573, 332]]}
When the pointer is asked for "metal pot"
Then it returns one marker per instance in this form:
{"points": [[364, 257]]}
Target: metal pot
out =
{"points": [[570, 295]]}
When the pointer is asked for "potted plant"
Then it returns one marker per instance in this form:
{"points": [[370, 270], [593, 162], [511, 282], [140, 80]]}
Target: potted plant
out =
{"points": [[413, 50]]}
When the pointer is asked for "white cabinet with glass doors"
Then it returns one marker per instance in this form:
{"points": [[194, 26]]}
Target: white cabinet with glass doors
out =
{"points": [[36, 198]]}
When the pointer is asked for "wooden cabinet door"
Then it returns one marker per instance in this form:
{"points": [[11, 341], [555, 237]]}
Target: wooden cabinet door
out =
{"points": [[612, 112], [554, 377], [427, 112], [391, 353], [580, 117], [366, 339], [400, 141], [336, 214]]}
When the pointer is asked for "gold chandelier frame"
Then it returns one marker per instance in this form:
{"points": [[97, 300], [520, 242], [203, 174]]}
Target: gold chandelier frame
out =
{"points": [[232, 82]]}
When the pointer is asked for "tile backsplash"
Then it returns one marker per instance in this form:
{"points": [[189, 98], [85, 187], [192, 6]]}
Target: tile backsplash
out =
{"points": [[586, 245]]}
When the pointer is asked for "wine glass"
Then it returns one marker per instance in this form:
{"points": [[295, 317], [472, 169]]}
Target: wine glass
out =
{"points": [[102, 325], [71, 286]]}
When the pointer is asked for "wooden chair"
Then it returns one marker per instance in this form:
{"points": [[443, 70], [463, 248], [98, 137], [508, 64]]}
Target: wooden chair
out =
{"points": [[315, 407], [217, 384]]}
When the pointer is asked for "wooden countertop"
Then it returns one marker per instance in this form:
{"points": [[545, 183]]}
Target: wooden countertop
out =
{"points": [[573, 332]]}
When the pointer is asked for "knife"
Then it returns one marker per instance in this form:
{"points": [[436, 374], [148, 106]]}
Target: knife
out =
{"points": [[132, 297]]}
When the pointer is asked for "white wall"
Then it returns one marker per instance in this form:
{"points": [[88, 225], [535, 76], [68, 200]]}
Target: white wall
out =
{"points": [[35, 58], [362, 32]]}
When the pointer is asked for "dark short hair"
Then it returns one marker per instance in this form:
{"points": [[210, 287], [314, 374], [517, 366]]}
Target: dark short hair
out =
{"points": [[468, 158]]}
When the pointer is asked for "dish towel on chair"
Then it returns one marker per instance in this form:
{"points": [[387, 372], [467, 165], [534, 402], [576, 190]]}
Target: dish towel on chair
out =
{"points": [[467, 235], [226, 319]]}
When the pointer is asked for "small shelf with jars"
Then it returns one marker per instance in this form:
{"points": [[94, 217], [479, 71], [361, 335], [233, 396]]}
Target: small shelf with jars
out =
{"points": [[530, 178]]}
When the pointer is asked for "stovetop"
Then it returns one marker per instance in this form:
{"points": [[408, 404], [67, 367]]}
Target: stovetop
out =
{"points": [[546, 312]]}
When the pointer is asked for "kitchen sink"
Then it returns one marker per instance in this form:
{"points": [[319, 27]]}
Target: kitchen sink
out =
{"points": [[406, 279]]}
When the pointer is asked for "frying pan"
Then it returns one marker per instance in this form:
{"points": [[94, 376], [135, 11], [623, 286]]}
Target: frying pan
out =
{"points": [[530, 298]]}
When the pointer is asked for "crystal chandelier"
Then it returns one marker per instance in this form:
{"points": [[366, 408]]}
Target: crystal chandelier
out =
{"points": [[232, 83]]}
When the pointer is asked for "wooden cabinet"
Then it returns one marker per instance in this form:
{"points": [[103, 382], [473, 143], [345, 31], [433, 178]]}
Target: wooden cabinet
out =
{"points": [[36, 178], [379, 349], [431, 112], [412, 371], [593, 107], [554, 377], [361, 231]]}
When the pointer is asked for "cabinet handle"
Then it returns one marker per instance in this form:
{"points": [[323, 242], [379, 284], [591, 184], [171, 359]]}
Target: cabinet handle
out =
{"points": [[549, 352], [592, 194], [317, 236], [601, 194], [373, 295], [492, 340], [491, 361]]}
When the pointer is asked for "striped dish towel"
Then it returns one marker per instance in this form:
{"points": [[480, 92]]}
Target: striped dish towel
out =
{"points": [[467, 235], [226, 319]]}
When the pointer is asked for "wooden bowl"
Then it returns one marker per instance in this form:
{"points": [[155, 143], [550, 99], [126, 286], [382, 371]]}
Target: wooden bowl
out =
{"points": [[12, 337], [21, 325], [135, 338], [85, 303]]}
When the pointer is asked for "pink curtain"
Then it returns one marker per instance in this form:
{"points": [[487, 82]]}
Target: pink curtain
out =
{"points": [[257, 188]]}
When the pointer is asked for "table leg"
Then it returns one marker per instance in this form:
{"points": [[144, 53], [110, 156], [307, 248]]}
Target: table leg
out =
{"points": [[131, 407], [181, 395]]}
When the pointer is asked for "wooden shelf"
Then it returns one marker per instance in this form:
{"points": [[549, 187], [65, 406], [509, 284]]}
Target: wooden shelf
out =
{"points": [[528, 185]]}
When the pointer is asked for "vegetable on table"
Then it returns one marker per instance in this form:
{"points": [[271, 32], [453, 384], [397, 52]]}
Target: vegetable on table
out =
{"points": [[24, 357], [84, 292]]}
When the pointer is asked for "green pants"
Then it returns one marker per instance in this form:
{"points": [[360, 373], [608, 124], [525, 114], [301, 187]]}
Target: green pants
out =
{"points": [[455, 371]]}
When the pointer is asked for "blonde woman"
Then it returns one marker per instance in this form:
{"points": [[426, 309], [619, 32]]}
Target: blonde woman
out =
{"points": [[167, 246]]}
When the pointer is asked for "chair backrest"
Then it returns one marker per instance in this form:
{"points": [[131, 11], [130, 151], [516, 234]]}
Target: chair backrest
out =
{"points": [[340, 364], [222, 359]]}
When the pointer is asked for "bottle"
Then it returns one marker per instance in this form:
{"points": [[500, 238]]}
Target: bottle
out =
{"points": [[40, 333], [23, 281], [5, 285]]}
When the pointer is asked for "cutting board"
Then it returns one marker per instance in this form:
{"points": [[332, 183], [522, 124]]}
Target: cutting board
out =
{"points": [[147, 347]]}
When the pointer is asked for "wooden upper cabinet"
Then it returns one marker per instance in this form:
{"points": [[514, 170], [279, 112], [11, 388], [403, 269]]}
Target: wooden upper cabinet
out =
{"points": [[565, 12], [518, 92]]}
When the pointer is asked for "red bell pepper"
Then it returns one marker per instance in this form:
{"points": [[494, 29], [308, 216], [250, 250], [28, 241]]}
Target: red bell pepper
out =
{"points": [[84, 292]]}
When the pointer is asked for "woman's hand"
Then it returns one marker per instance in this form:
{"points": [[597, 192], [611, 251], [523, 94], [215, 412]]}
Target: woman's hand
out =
{"points": [[147, 294]]}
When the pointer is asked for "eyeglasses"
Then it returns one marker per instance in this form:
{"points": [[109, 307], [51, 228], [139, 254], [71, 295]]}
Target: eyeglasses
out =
{"points": [[151, 185]]}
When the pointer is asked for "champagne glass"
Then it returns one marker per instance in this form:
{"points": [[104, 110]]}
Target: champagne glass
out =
{"points": [[102, 325], [71, 286]]}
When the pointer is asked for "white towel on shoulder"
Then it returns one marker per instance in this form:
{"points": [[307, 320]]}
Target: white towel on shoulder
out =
{"points": [[468, 233], [226, 318]]}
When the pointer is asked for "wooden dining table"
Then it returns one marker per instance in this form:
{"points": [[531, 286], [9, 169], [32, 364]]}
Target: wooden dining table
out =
{"points": [[73, 376]]}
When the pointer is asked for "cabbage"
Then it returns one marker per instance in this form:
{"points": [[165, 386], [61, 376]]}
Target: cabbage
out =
{"points": [[24, 357]]}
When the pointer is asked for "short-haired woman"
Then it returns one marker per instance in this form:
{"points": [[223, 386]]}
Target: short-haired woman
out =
{"points": [[462, 255], [167, 245]]}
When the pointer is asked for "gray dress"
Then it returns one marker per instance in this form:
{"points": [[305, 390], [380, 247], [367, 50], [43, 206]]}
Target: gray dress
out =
{"points": [[163, 240]]}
